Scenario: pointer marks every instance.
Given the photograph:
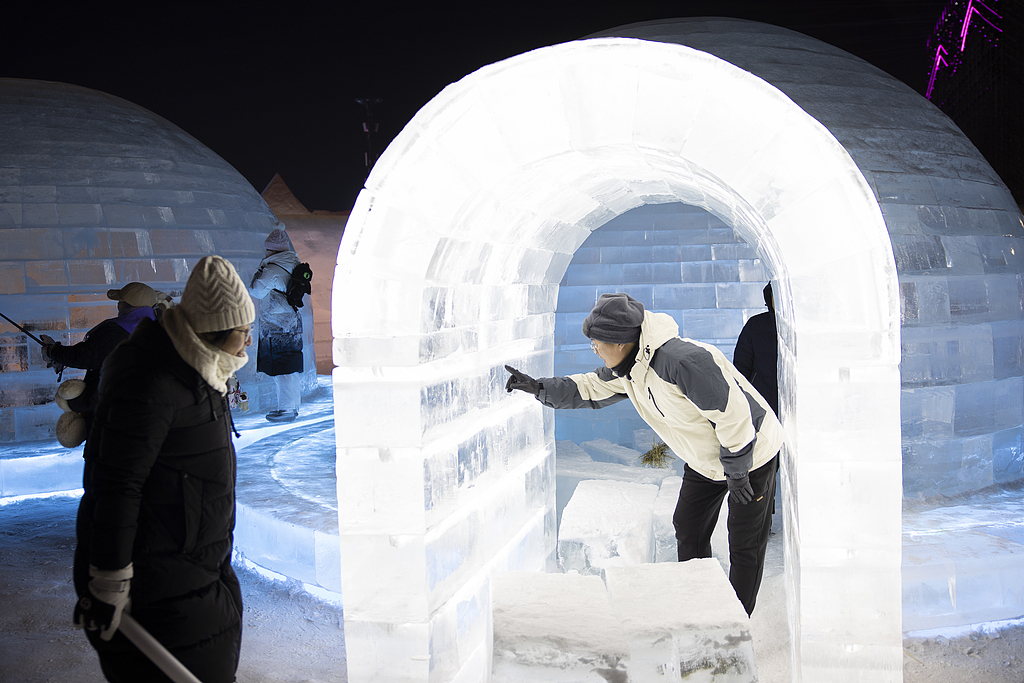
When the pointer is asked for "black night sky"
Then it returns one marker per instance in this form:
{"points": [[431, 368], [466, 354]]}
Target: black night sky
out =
{"points": [[271, 87]]}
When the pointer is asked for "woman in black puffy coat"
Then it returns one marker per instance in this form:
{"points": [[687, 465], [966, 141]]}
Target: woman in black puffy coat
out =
{"points": [[156, 521]]}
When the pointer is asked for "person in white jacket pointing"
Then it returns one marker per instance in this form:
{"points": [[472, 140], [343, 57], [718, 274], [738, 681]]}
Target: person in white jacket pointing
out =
{"points": [[703, 408]]}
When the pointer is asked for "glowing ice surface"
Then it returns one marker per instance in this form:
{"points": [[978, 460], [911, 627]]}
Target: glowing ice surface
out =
{"points": [[448, 270]]}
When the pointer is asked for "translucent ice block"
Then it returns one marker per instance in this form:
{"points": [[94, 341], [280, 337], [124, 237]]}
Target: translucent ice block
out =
{"points": [[606, 523], [666, 548], [603, 450], [573, 465]]}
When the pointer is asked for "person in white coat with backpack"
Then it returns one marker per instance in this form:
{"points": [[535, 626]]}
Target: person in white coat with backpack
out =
{"points": [[279, 353]]}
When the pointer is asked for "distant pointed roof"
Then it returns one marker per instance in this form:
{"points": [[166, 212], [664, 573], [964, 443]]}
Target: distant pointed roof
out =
{"points": [[280, 198]]}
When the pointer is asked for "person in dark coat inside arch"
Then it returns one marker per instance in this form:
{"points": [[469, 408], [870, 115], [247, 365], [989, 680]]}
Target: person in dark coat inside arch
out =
{"points": [[757, 352], [155, 525]]}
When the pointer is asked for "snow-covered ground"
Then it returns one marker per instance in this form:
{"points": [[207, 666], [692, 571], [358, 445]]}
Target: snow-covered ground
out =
{"points": [[293, 636]]}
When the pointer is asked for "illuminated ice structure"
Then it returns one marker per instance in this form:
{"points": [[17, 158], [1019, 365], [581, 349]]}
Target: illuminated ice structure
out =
{"points": [[859, 197], [96, 192]]}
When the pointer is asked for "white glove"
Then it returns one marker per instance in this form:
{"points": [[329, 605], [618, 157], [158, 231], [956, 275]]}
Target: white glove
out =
{"points": [[111, 588]]}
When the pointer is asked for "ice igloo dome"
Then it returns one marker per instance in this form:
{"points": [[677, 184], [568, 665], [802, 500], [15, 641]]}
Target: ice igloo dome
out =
{"points": [[96, 192], [957, 237]]}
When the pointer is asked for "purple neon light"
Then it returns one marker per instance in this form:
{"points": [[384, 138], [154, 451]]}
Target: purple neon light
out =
{"points": [[935, 69], [967, 20], [965, 27]]}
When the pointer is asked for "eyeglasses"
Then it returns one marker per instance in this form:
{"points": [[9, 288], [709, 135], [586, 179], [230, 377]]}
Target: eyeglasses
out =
{"points": [[593, 346]]}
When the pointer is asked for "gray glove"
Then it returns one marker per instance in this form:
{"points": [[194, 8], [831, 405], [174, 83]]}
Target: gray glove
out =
{"points": [[521, 382], [48, 343], [740, 489], [109, 588]]}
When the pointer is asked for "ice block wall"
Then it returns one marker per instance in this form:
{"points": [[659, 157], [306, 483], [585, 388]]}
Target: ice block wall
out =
{"points": [[676, 259], [96, 192], [957, 237], [449, 269]]}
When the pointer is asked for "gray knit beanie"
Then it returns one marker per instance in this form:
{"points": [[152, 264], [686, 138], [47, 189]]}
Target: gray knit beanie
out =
{"points": [[615, 319], [277, 240], [215, 297]]}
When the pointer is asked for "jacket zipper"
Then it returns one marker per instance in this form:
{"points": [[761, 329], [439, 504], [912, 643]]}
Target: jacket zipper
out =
{"points": [[650, 394]]}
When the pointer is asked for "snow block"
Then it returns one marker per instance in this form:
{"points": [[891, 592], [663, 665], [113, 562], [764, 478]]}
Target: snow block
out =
{"points": [[683, 621], [554, 627], [651, 622]]}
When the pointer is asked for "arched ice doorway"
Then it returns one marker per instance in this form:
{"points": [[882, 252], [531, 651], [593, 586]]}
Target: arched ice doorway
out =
{"points": [[449, 269]]}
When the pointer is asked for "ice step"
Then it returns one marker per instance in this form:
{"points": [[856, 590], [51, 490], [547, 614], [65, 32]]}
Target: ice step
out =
{"points": [[683, 621], [555, 627], [653, 622]]}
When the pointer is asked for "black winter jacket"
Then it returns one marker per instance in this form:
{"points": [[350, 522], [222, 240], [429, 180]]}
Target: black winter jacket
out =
{"points": [[159, 491], [757, 356], [89, 355]]}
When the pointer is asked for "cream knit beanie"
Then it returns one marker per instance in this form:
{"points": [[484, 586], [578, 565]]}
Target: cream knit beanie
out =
{"points": [[215, 298]]}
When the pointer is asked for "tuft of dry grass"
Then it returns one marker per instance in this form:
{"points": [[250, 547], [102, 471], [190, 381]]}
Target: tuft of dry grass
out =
{"points": [[658, 456]]}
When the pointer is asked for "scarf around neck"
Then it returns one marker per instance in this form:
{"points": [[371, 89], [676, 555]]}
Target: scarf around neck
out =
{"points": [[212, 364]]}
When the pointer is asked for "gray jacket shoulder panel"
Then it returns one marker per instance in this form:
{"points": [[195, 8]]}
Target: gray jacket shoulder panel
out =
{"points": [[694, 371]]}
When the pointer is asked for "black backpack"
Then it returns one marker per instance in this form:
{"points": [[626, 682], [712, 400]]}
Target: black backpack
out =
{"points": [[299, 284]]}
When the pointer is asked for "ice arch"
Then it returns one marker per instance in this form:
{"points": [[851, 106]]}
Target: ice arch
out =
{"points": [[449, 268]]}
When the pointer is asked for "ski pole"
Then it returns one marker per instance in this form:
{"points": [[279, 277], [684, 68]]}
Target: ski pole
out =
{"points": [[30, 335], [57, 367], [157, 653]]}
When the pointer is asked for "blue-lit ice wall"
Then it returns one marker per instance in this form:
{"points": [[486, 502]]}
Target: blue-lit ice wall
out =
{"points": [[963, 395], [673, 258]]}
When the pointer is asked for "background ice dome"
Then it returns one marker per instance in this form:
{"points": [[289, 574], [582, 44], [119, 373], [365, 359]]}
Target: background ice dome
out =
{"points": [[956, 234], [96, 192], [852, 188]]}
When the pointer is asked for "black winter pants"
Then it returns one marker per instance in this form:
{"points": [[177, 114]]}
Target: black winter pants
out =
{"points": [[700, 500]]}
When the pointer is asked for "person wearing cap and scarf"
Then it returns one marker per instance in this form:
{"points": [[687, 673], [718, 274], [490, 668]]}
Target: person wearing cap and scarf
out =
{"points": [[279, 353], [155, 524], [703, 408], [135, 302]]}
